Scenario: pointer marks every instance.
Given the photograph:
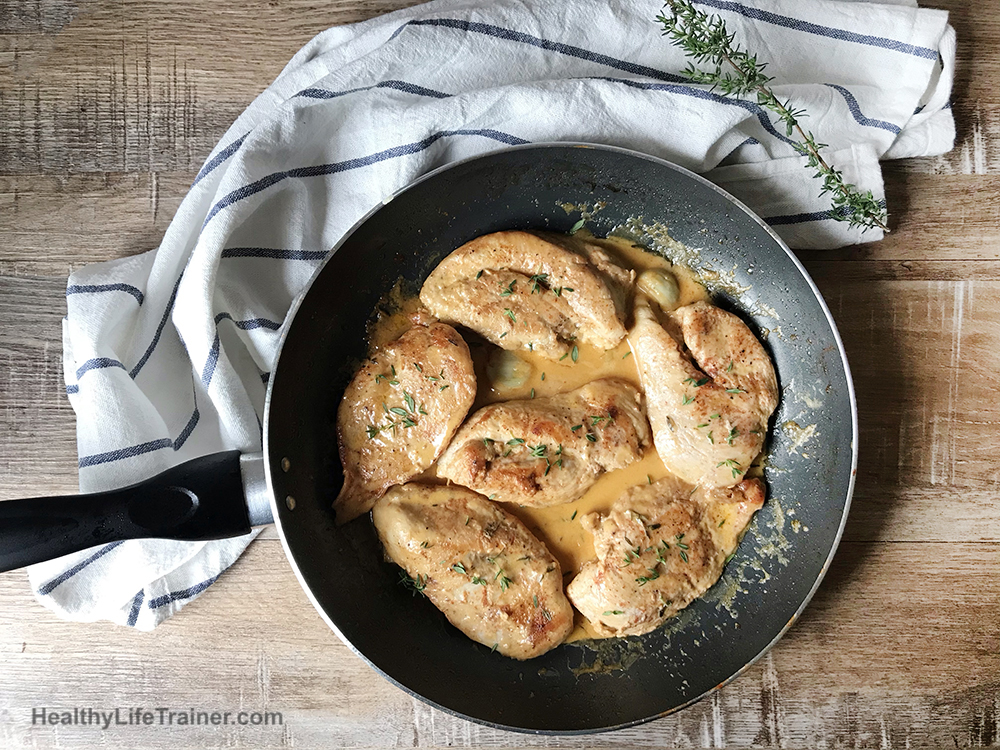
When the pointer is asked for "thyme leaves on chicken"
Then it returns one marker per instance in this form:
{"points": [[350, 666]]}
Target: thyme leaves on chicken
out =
{"points": [[415, 585], [504, 580], [731, 463], [662, 550], [539, 282], [651, 575], [407, 417], [439, 378], [552, 459], [538, 451], [379, 377]]}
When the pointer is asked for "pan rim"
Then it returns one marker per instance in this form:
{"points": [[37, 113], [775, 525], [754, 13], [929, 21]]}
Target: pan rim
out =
{"points": [[290, 321]]}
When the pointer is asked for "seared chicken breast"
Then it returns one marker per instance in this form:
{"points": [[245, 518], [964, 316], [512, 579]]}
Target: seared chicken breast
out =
{"points": [[532, 291], [400, 411], [546, 451], [710, 391], [661, 547], [478, 564]]}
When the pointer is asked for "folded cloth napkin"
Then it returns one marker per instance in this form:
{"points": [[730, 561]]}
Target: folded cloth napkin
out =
{"points": [[167, 354]]}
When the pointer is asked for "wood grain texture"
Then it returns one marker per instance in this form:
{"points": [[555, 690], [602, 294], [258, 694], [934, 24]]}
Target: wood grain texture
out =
{"points": [[108, 109]]}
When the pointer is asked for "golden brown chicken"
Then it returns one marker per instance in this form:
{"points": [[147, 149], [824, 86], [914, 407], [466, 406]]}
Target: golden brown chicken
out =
{"points": [[400, 411], [660, 548], [478, 564], [709, 392], [531, 291], [546, 451]]}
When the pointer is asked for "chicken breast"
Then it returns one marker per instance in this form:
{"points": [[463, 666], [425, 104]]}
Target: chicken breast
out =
{"points": [[400, 411], [478, 564], [659, 549], [533, 291], [709, 396], [546, 451]]}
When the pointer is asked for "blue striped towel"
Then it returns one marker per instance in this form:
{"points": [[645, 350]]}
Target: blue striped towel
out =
{"points": [[167, 354]]}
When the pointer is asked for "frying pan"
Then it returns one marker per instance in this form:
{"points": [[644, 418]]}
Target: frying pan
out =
{"points": [[577, 687]]}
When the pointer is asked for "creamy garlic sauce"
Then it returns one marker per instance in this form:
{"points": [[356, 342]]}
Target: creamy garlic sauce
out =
{"points": [[559, 527]]}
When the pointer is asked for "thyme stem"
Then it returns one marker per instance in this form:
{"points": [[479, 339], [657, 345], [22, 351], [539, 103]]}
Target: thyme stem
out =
{"points": [[706, 39]]}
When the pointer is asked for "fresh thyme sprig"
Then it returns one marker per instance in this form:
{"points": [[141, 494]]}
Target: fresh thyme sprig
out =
{"points": [[415, 585], [736, 72]]}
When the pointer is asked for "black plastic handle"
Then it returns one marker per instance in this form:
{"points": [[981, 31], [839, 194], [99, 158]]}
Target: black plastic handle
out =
{"points": [[200, 499]]}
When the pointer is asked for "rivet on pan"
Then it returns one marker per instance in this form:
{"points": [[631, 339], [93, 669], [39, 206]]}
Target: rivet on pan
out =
{"points": [[290, 502], [285, 465]]}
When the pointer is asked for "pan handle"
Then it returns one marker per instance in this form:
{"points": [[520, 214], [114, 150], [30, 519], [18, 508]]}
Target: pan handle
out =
{"points": [[196, 500]]}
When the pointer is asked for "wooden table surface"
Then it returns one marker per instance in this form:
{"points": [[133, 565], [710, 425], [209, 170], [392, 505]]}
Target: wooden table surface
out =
{"points": [[107, 110]]}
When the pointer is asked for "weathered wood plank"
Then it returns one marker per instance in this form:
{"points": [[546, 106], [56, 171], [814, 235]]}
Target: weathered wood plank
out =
{"points": [[51, 225], [37, 433], [895, 650], [920, 354], [137, 86]]}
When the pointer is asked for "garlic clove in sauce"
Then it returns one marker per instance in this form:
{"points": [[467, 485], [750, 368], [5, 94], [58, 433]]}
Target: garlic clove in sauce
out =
{"points": [[507, 371], [661, 286]]}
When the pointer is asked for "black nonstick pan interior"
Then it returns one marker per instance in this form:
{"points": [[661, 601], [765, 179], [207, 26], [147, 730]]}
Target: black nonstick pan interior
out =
{"points": [[809, 469]]}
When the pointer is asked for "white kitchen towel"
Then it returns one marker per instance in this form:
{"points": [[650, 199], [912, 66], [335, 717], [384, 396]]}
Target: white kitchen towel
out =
{"points": [[167, 354]]}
